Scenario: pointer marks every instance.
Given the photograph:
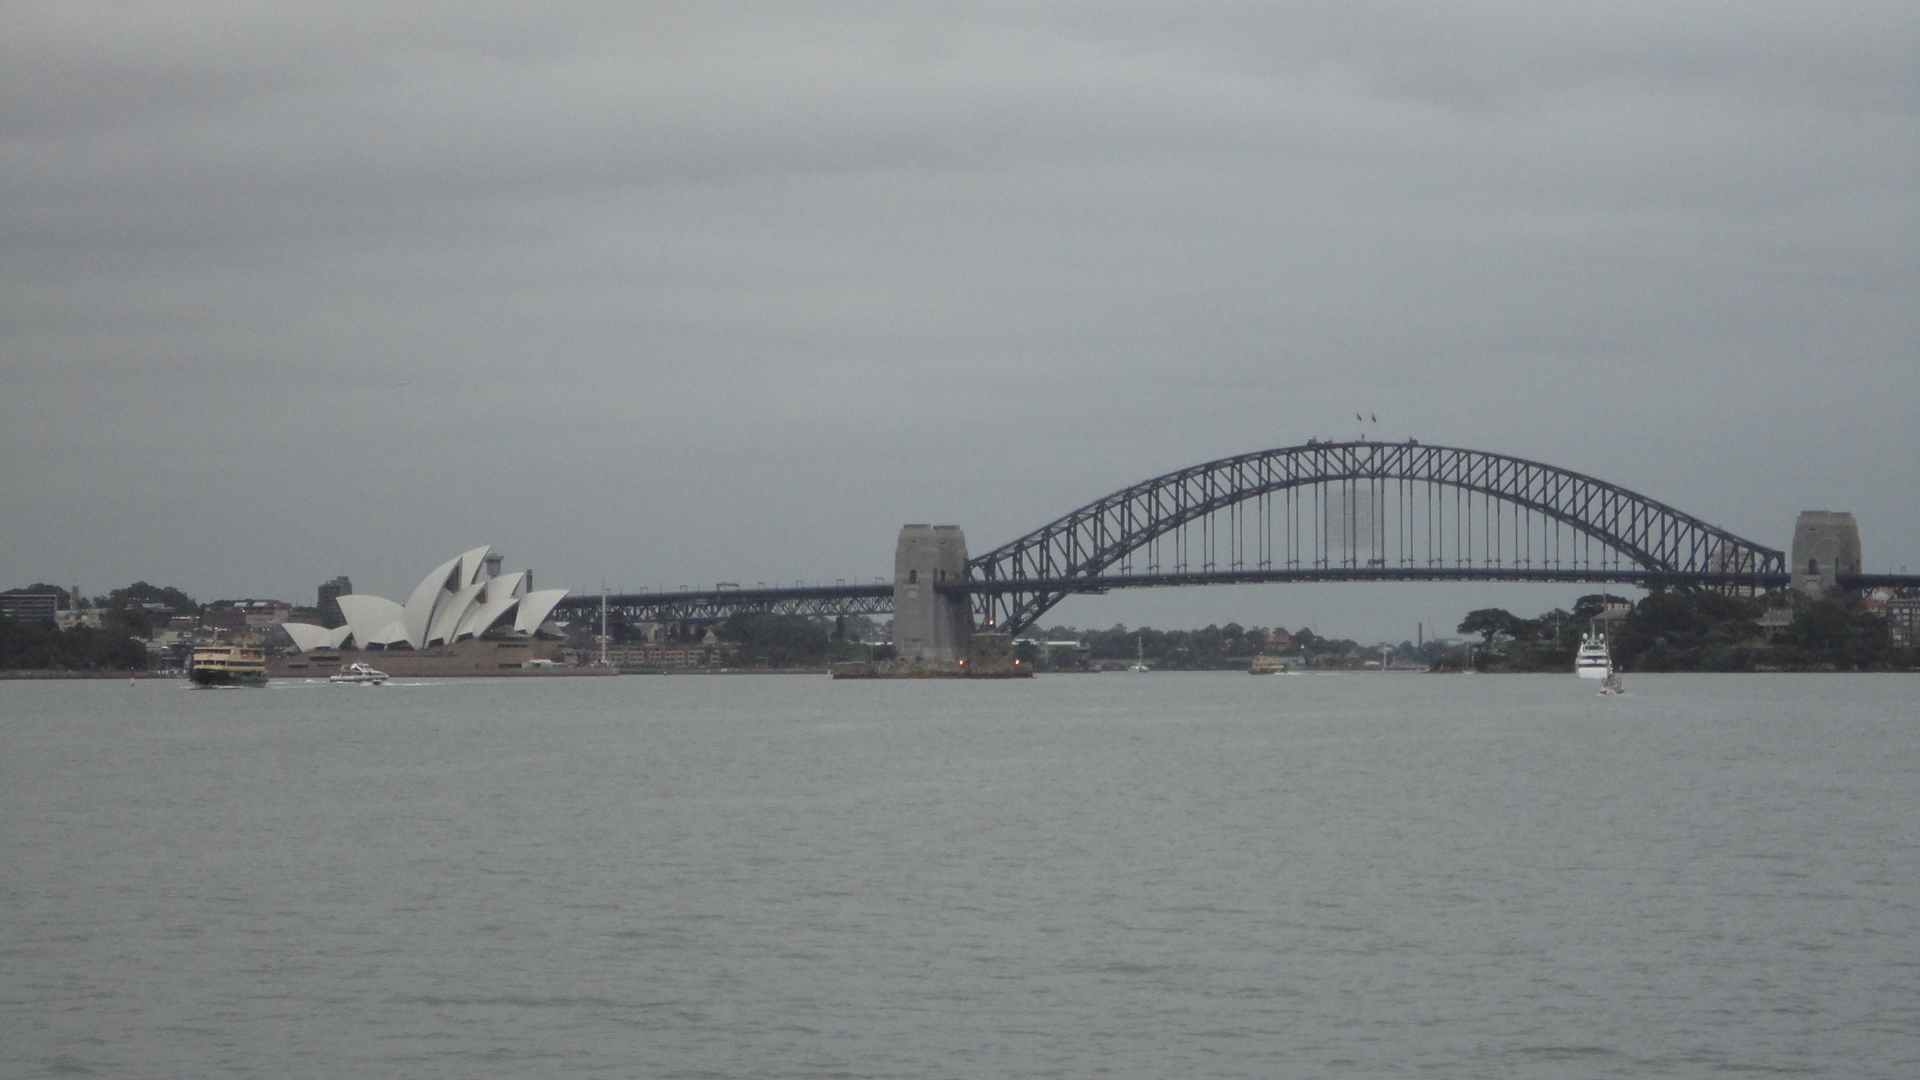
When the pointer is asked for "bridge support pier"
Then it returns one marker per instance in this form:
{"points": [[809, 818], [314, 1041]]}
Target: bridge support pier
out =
{"points": [[1826, 543], [930, 625]]}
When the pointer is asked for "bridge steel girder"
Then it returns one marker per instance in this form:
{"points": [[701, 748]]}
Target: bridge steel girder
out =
{"points": [[714, 605], [831, 601], [1102, 584], [1017, 582]]}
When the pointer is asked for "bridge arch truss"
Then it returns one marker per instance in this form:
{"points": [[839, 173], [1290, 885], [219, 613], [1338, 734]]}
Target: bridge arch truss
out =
{"points": [[1357, 511]]}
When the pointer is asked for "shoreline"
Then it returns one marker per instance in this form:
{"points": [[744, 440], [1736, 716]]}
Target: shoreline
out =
{"points": [[58, 674]]}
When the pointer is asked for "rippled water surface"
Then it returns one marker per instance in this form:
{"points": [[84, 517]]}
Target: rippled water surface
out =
{"points": [[1123, 875]]}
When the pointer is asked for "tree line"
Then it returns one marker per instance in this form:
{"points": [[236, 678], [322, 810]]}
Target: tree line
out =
{"points": [[1688, 628], [1211, 648], [128, 618], [763, 639]]}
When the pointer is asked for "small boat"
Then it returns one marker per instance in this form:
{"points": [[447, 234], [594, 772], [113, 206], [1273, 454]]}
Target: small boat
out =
{"points": [[1595, 659], [228, 665], [358, 675], [1139, 656], [1266, 665], [1611, 685]]}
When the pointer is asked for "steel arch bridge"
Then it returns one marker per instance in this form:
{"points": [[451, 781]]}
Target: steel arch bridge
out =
{"points": [[1333, 511], [1359, 511]]}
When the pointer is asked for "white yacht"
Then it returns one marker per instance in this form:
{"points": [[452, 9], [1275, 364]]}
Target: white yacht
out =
{"points": [[358, 675], [1594, 660]]}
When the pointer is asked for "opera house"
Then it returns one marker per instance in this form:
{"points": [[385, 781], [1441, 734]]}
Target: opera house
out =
{"points": [[464, 618]]}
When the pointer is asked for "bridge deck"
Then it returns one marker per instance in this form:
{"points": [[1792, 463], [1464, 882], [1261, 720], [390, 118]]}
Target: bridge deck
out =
{"points": [[877, 599]]}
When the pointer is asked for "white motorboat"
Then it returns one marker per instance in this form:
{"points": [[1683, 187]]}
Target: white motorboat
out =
{"points": [[1595, 659], [358, 675]]}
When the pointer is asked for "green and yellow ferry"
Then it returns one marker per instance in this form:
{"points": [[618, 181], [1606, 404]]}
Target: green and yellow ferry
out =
{"points": [[228, 665]]}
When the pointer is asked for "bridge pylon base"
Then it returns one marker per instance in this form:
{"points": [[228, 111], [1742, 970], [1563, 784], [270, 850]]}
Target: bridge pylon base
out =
{"points": [[931, 624]]}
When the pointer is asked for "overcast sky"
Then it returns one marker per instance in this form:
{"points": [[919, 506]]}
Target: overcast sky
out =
{"points": [[660, 294]]}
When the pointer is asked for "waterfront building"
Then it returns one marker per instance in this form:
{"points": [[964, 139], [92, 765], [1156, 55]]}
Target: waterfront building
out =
{"points": [[653, 654], [67, 618], [22, 606], [1903, 619], [245, 614]]}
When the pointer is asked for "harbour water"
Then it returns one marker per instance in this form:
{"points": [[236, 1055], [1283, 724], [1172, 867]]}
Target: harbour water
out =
{"points": [[1159, 875]]}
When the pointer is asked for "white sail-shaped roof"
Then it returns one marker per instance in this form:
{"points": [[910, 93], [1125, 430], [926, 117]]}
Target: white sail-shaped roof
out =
{"points": [[446, 618], [437, 589], [418, 616], [457, 600], [499, 598], [535, 607], [368, 616], [473, 566], [393, 633], [306, 636]]}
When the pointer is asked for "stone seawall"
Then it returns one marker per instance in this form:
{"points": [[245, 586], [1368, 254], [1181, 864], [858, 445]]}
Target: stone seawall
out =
{"points": [[465, 659]]}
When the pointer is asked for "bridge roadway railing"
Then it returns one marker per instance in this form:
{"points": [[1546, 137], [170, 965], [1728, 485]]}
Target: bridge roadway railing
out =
{"points": [[1100, 584], [829, 601], [713, 605], [1875, 581]]}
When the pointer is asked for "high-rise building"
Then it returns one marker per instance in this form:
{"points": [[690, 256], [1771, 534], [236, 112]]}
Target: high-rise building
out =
{"points": [[329, 602]]}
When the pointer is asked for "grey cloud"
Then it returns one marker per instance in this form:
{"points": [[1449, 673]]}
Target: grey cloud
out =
{"points": [[697, 265]]}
